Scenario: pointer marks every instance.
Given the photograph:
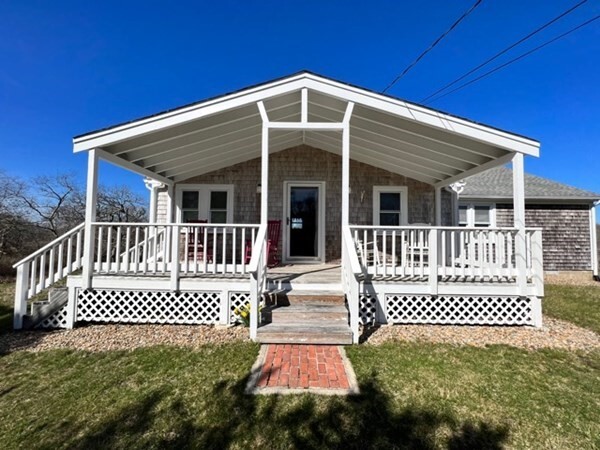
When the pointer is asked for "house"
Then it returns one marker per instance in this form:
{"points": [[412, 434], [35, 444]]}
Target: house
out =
{"points": [[566, 215], [355, 182]]}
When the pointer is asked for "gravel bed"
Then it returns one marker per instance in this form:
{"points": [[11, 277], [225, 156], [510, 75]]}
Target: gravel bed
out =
{"points": [[554, 334], [99, 338]]}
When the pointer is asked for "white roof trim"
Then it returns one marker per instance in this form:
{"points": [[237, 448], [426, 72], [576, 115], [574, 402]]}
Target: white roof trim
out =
{"points": [[300, 81]]}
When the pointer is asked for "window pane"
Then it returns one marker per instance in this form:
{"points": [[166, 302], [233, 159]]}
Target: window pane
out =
{"points": [[389, 219], [218, 200], [462, 215], [189, 200], [389, 201], [190, 215], [482, 215], [218, 217]]}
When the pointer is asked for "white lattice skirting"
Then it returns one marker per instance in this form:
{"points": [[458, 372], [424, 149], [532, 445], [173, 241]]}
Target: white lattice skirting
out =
{"points": [[56, 320], [459, 310], [197, 307]]}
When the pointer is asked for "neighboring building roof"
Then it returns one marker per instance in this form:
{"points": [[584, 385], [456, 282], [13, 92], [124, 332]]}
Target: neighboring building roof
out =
{"points": [[497, 183]]}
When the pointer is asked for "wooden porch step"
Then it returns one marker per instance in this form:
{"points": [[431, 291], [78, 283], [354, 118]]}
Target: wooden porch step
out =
{"points": [[304, 334], [317, 312], [311, 297]]}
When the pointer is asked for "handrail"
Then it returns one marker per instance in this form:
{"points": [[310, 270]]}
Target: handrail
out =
{"points": [[179, 224], [261, 237], [349, 242], [51, 244], [444, 228]]}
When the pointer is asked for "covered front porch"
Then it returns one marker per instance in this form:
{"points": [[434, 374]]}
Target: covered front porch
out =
{"points": [[407, 263]]}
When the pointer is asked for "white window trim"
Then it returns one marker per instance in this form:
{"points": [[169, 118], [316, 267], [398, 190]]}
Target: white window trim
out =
{"points": [[471, 213], [403, 190], [204, 203]]}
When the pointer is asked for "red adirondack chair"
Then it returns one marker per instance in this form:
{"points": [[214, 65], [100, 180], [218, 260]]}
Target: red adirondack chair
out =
{"points": [[273, 233], [195, 247]]}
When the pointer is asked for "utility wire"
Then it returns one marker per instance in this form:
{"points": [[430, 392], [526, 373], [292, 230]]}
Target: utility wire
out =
{"points": [[436, 42], [510, 47], [587, 22]]}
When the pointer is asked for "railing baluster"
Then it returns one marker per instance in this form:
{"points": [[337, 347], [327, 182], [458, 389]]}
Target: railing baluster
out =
{"points": [[108, 249], [223, 270], [204, 248], [99, 248], [42, 272], [33, 280], [61, 256], [243, 250], [196, 243], [384, 255], [394, 262], [127, 248], [118, 251], [136, 250], [233, 249], [214, 250]]}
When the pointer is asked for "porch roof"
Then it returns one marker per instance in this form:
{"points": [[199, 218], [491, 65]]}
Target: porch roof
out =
{"points": [[386, 132]]}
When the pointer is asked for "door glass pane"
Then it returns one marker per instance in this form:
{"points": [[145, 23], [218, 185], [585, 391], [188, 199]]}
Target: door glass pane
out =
{"points": [[218, 200], [389, 219], [189, 200], [389, 201], [218, 216], [304, 222]]}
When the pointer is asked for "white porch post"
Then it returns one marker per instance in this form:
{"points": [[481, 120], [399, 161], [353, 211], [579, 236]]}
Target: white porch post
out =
{"points": [[438, 206], [153, 186], [264, 169], [594, 239], [21, 295], [170, 203], [346, 165], [519, 222], [90, 216]]}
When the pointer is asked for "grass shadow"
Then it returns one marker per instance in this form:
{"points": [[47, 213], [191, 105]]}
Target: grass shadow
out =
{"points": [[368, 420]]}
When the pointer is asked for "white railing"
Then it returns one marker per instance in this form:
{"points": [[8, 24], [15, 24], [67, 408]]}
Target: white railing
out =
{"points": [[46, 266], [429, 253], [351, 269], [258, 278], [142, 249]]}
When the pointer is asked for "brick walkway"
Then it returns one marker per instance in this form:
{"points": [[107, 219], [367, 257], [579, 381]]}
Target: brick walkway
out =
{"points": [[303, 367]]}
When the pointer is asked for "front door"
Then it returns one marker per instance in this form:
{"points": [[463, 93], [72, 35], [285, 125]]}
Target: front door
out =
{"points": [[304, 214]]}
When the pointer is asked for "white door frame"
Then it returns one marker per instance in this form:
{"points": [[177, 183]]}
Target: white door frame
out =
{"points": [[287, 185]]}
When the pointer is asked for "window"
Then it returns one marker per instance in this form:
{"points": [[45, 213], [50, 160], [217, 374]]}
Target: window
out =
{"points": [[213, 203], [476, 215], [389, 205]]}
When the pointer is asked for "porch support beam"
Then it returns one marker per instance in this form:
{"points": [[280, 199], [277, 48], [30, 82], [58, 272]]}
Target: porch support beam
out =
{"points": [[91, 195], [346, 165], [170, 203], [120, 162], [438, 206], [264, 170], [329, 126], [519, 221], [594, 239], [304, 107], [481, 168]]}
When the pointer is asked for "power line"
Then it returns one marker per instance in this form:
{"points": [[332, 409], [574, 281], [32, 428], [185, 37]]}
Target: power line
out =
{"points": [[587, 22], [436, 42], [510, 47]]}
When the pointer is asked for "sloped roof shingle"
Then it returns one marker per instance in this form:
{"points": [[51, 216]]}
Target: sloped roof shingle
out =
{"points": [[497, 183]]}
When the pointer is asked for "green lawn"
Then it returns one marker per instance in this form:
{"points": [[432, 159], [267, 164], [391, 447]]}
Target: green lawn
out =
{"points": [[425, 396], [577, 304], [412, 395]]}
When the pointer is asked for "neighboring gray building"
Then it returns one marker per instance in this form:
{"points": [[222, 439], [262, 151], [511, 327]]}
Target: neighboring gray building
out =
{"points": [[566, 214]]}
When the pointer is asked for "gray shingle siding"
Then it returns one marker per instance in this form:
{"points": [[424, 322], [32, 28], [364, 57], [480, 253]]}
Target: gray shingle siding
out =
{"points": [[565, 235]]}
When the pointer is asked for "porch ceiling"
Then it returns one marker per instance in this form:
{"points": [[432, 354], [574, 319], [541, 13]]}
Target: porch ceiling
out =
{"points": [[417, 142]]}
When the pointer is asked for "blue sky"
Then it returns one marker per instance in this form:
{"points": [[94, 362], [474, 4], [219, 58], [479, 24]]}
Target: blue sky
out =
{"points": [[71, 67]]}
